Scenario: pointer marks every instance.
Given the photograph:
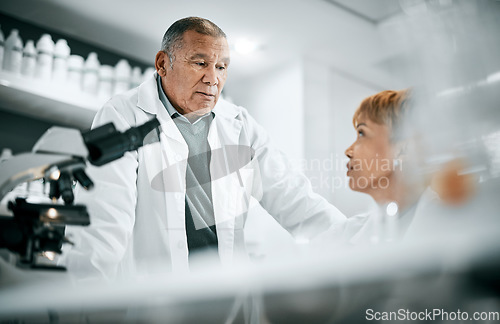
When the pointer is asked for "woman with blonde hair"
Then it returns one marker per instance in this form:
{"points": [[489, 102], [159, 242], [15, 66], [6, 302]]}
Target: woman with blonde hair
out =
{"points": [[378, 166]]}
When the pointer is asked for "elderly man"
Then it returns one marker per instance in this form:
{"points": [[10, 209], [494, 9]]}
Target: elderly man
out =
{"points": [[192, 189]]}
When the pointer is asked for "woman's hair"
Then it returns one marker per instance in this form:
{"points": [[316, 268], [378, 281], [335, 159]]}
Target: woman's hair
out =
{"points": [[386, 108]]}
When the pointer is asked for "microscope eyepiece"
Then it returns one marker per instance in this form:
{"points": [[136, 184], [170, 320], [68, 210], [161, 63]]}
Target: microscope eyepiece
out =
{"points": [[106, 144]]}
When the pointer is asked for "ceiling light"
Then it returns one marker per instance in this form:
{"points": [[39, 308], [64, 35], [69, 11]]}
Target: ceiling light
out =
{"points": [[244, 46], [493, 77]]}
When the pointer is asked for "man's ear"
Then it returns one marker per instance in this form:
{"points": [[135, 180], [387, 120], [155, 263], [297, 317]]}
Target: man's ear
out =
{"points": [[161, 61]]}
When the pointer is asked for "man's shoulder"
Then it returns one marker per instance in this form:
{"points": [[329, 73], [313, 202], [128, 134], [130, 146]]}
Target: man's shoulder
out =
{"points": [[120, 106], [228, 109], [125, 99]]}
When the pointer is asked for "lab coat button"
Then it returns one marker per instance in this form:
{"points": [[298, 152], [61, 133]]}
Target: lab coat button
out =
{"points": [[180, 245], [178, 195], [178, 157]]}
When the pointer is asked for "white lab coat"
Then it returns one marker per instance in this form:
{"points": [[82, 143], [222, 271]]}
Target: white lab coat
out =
{"points": [[365, 229], [137, 205]]}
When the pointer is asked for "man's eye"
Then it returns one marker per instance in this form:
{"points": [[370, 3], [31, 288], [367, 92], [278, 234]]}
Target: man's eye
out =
{"points": [[200, 63], [222, 68], [361, 133]]}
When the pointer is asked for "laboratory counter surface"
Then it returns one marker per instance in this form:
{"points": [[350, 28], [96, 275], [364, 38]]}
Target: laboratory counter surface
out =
{"points": [[338, 285]]}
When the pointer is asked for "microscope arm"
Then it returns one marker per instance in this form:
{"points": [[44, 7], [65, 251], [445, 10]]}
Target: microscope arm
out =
{"points": [[27, 167]]}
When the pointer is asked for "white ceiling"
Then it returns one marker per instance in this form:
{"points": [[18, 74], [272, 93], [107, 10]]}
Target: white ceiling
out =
{"points": [[339, 35], [373, 11]]}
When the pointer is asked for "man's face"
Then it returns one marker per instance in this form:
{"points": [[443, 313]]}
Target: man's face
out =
{"points": [[194, 82]]}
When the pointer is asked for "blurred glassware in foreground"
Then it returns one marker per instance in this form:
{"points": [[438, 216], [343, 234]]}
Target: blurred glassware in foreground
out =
{"points": [[452, 52]]}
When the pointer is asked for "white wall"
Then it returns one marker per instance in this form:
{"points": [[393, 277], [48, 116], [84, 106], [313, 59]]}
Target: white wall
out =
{"points": [[275, 99], [346, 93], [331, 97], [318, 121]]}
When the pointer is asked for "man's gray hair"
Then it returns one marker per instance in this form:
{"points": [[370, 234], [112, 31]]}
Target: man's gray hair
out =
{"points": [[172, 40]]}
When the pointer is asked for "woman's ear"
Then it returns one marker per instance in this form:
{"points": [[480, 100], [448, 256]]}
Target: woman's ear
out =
{"points": [[401, 147], [399, 155]]}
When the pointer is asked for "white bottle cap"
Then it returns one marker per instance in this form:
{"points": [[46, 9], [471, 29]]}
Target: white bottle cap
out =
{"points": [[75, 71], [29, 49], [122, 69], [45, 44], [106, 72], [28, 67], [62, 49], [147, 73], [92, 62], [14, 33], [14, 41], [6, 154], [75, 62], [136, 73], [18, 43]]}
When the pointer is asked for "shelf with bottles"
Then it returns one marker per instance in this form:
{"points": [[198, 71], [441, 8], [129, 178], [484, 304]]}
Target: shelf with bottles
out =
{"points": [[47, 82], [47, 100]]}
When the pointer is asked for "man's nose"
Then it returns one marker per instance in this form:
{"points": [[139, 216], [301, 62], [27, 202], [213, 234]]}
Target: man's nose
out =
{"points": [[210, 77]]}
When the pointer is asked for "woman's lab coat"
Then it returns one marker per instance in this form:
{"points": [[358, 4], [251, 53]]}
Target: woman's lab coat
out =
{"points": [[137, 205], [413, 223]]}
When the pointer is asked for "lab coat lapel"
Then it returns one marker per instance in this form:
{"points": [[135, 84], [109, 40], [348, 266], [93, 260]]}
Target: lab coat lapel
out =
{"points": [[166, 164], [149, 101], [224, 132], [174, 150]]}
